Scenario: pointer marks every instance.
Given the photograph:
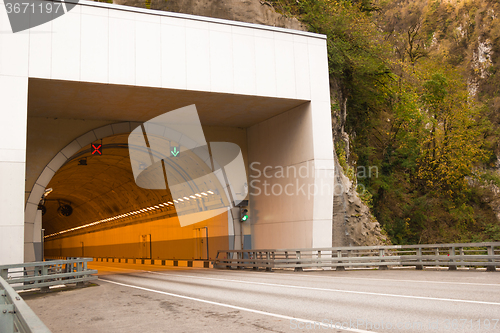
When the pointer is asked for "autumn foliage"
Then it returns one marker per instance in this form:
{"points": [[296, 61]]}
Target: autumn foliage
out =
{"points": [[415, 87]]}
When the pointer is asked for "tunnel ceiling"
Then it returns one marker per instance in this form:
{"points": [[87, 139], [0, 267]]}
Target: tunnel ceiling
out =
{"points": [[83, 100], [103, 188]]}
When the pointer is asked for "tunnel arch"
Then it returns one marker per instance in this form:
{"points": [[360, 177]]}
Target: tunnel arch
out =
{"points": [[33, 221], [64, 155], [65, 161]]}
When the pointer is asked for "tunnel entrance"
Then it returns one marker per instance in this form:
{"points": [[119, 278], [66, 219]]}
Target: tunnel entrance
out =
{"points": [[263, 88], [95, 207], [109, 215]]}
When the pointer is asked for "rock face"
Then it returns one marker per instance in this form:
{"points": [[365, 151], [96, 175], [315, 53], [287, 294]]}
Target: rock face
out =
{"points": [[353, 223], [494, 202], [491, 193], [250, 11]]}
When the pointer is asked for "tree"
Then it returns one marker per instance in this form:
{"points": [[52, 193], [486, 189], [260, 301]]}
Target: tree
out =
{"points": [[456, 142]]}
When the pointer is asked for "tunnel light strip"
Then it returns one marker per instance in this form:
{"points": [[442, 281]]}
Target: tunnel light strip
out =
{"points": [[129, 214]]}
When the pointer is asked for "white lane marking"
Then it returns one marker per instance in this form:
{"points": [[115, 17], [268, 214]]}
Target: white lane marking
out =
{"points": [[334, 277], [389, 280], [237, 307], [351, 278], [332, 290]]}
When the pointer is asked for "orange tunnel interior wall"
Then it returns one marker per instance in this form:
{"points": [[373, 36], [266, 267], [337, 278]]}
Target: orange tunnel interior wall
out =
{"points": [[158, 239]]}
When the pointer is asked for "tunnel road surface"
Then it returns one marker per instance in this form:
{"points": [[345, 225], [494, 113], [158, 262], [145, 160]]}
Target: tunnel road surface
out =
{"points": [[159, 299]]}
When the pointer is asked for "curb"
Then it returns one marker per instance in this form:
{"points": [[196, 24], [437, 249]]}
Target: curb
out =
{"points": [[156, 262], [160, 262]]}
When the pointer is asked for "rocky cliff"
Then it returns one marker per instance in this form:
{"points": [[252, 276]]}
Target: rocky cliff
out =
{"points": [[353, 223], [250, 11]]}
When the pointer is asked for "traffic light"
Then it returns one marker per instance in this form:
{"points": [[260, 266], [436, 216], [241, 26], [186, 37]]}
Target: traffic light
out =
{"points": [[243, 214]]}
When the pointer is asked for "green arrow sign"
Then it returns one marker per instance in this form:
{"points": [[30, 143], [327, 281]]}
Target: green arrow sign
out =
{"points": [[175, 152]]}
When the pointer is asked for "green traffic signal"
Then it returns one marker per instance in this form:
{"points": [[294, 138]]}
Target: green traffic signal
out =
{"points": [[244, 215]]}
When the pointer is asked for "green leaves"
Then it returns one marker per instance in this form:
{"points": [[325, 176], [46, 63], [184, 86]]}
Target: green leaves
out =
{"points": [[456, 142], [435, 91]]}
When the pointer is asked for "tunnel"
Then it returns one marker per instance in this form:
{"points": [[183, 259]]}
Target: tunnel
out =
{"points": [[101, 71], [110, 216], [92, 205]]}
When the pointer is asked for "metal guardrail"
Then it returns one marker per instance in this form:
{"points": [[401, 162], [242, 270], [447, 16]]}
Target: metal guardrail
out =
{"points": [[43, 274], [451, 255], [15, 314]]}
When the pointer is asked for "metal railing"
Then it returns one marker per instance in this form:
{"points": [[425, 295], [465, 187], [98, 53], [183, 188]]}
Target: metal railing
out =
{"points": [[15, 314], [43, 274], [451, 255]]}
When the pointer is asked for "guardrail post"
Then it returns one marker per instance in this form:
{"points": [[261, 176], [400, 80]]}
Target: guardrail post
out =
{"points": [[299, 256], [461, 249], [419, 255], [239, 255], [381, 253], [268, 257], [452, 259], [228, 258], [6, 317], [436, 251], [339, 255], [80, 266], [45, 271], [4, 272], [255, 267], [491, 252]]}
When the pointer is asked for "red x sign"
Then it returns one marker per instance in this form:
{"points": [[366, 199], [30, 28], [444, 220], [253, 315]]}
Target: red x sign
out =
{"points": [[97, 149]]}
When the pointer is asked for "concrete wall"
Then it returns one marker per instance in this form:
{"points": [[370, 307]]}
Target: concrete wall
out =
{"points": [[13, 102], [47, 137], [300, 139], [291, 181], [13, 110]]}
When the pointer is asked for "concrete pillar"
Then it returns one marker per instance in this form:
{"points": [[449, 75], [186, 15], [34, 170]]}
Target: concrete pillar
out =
{"points": [[291, 179], [13, 111], [37, 237], [14, 64]]}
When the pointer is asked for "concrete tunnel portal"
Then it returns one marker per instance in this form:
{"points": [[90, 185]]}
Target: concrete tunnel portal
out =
{"points": [[109, 214], [99, 72]]}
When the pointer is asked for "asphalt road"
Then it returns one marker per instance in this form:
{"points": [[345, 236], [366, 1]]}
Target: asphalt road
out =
{"points": [[208, 300]]}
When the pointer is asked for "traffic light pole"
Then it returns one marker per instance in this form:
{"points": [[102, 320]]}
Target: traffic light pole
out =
{"points": [[241, 237], [243, 218]]}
